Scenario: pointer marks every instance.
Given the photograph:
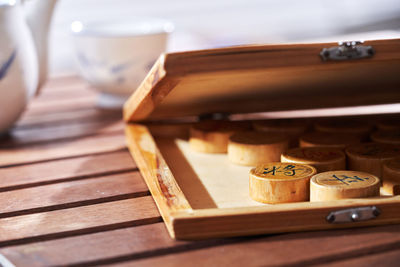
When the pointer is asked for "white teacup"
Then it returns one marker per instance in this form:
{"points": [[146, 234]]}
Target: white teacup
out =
{"points": [[114, 57]]}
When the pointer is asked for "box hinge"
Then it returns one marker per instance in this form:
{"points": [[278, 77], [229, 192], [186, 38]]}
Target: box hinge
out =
{"points": [[213, 116], [353, 215], [347, 51]]}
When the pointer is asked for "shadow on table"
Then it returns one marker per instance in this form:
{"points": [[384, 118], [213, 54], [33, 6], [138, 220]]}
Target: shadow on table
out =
{"points": [[50, 129]]}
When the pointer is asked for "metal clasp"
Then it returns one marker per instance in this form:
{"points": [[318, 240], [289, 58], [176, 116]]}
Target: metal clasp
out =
{"points": [[353, 215], [346, 51]]}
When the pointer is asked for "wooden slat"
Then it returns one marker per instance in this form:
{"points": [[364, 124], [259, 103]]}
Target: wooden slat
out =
{"points": [[373, 258], [146, 239], [300, 249], [61, 105], [79, 220], [61, 82], [150, 245], [61, 118], [19, 137], [64, 149], [64, 170], [66, 90], [73, 193], [62, 94]]}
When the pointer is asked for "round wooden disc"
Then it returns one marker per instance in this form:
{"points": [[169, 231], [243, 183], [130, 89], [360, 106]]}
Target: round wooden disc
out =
{"points": [[213, 136], [292, 128], [386, 137], [391, 176], [254, 148], [278, 182], [369, 157], [335, 140], [335, 185], [346, 126], [322, 158]]}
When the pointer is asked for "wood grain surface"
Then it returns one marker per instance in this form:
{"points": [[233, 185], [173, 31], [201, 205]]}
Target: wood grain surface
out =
{"points": [[70, 194], [275, 78]]}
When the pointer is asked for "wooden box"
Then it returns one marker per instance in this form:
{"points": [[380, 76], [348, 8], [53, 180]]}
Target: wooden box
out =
{"points": [[204, 196]]}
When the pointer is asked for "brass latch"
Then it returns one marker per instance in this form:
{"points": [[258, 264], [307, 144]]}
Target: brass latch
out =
{"points": [[346, 51]]}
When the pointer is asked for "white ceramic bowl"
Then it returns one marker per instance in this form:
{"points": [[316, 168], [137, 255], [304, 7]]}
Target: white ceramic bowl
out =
{"points": [[114, 57]]}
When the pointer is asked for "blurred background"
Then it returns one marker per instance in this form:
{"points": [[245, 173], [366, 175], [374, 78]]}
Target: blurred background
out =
{"points": [[217, 23]]}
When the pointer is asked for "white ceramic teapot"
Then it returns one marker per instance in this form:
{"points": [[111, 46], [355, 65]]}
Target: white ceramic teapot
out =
{"points": [[23, 54]]}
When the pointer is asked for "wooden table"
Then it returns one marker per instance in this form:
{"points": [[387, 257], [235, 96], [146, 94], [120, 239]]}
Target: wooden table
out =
{"points": [[70, 194]]}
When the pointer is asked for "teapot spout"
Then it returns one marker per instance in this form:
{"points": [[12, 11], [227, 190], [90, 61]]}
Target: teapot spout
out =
{"points": [[38, 17]]}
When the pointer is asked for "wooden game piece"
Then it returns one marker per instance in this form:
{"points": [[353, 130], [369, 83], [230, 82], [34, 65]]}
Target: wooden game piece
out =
{"points": [[369, 157], [322, 158], [345, 126], [386, 137], [292, 128], [212, 136], [254, 148], [280, 182], [391, 176], [334, 185], [334, 140]]}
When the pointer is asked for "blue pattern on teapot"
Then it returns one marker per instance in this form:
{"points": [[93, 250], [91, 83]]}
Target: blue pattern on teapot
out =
{"points": [[7, 64]]}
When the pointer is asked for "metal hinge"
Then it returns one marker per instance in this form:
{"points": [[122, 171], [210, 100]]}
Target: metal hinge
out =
{"points": [[214, 116], [346, 51], [353, 215]]}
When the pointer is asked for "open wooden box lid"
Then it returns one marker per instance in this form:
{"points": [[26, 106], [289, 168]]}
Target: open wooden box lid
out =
{"points": [[268, 78], [201, 197]]}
